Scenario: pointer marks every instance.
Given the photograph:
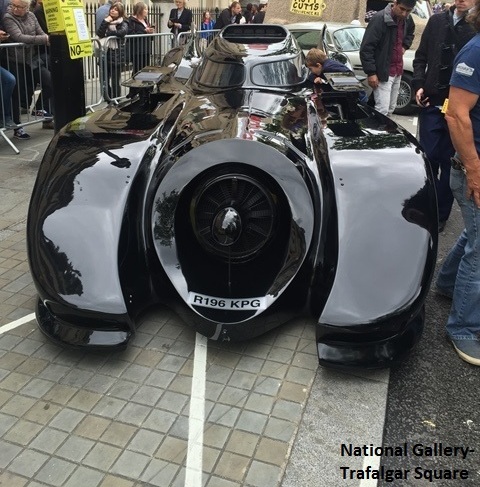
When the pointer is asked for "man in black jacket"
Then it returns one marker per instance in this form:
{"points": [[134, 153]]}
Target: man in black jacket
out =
{"points": [[388, 35], [444, 35], [231, 15]]}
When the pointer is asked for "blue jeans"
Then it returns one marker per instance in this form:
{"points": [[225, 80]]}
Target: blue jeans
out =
{"points": [[460, 273], [7, 85], [438, 147]]}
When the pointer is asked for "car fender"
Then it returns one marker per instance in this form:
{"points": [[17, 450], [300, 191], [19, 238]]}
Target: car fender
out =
{"points": [[75, 222], [397, 176]]}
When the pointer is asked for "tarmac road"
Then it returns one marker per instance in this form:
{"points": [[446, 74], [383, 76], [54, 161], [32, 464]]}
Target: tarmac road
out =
{"points": [[433, 400]]}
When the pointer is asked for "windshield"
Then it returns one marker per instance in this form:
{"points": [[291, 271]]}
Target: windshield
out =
{"points": [[278, 73], [348, 39], [232, 74], [221, 74]]}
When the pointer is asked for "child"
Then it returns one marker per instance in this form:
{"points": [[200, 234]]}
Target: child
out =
{"points": [[319, 63]]}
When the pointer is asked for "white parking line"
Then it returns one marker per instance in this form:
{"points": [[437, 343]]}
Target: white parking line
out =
{"points": [[374, 463], [17, 323], [196, 421]]}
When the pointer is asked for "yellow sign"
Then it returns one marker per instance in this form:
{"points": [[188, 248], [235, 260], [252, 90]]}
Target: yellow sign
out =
{"points": [[308, 7], [445, 106], [53, 16], [69, 16]]}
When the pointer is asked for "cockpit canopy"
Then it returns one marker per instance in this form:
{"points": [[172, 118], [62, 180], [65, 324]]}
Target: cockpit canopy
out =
{"points": [[251, 56]]}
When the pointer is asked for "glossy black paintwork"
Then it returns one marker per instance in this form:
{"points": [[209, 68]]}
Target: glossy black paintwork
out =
{"points": [[114, 228]]}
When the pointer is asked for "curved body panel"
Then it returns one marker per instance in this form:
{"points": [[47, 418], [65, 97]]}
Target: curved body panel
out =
{"points": [[381, 253], [241, 199]]}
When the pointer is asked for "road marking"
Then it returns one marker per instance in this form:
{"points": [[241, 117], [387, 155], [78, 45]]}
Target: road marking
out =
{"points": [[17, 323], [196, 420], [375, 465]]}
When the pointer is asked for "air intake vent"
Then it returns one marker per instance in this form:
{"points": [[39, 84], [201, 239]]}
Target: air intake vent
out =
{"points": [[254, 33], [234, 216]]}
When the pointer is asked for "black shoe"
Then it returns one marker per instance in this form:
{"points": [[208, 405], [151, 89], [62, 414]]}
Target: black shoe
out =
{"points": [[441, 225], [20, 134], [41, 114]]}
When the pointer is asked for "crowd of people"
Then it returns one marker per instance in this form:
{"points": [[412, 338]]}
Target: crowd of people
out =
{"points": [[25, 67], [253, 14]]}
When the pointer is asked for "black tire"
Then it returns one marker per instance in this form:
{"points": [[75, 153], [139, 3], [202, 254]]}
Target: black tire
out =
{"points": [[405, 96]]}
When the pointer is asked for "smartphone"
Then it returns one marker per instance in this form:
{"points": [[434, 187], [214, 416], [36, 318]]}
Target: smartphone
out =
{"points": [[424, 101]]}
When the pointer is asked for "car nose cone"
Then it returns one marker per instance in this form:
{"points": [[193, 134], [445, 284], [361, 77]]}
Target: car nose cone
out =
{"points": [[227, 226]]}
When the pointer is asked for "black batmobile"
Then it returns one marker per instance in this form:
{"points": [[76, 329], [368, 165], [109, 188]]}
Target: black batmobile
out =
{"points": [[229, 190]]}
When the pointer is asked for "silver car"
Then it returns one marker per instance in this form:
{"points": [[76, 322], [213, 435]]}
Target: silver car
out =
{"points": [[342, 42]]}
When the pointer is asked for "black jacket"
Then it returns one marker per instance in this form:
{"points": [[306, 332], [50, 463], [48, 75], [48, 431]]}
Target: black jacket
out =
{"points": [[185, 19], [135, 26], [121, 30], [138, 49], [225, 18], [433, 63], [259, 17], [378, 42], [115, 52]]}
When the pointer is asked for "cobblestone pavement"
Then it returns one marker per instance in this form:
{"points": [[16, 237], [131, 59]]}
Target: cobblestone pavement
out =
{"points": [[70, 418]]}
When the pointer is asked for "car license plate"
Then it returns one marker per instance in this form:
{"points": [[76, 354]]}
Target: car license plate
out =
{"points": [[231, 304]]}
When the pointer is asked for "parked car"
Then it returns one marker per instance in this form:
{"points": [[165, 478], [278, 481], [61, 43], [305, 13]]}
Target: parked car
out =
{"points": [[342, 42], [233, 193]]}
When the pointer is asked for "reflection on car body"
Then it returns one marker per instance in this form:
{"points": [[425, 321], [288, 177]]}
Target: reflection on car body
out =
{"points": [[231, 192]]}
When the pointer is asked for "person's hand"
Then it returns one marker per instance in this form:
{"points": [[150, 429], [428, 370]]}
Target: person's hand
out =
{"points": [[3, 35], [318, 80], [108, 18], [421, 99], [178, 26], [150, 30], [373, 81], [473, 183]]}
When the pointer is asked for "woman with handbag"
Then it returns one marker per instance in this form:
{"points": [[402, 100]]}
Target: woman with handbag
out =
{"points": [[111, 33]]}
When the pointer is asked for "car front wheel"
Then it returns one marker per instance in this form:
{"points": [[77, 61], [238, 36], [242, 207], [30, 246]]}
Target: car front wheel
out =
{"points": [[405, 96]]}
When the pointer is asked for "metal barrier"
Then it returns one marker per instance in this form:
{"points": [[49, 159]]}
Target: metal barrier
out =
{"points": [[112, 64], [28, 100], [118, 61]]}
